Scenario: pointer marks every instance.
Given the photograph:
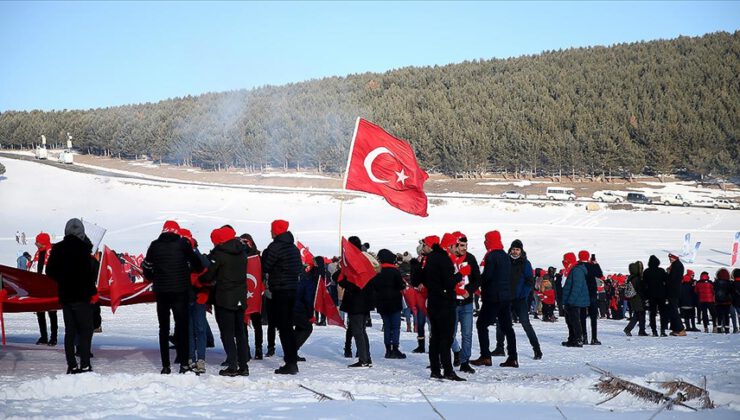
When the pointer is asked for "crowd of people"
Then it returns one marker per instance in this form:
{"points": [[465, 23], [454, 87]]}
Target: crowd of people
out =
{"points": [[444, 285]]}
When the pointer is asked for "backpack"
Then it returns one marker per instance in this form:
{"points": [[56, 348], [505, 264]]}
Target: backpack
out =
{"points": [[629, 290]]}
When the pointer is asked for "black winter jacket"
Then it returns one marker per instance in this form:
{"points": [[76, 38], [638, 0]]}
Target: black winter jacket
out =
{"points": [[228, 273], [496, 278], [388, 286], [438, 276], [72, 266], [722, 291], [281, 261], [687, 297], [673, 282], [355, 300], [654, 279], [593, 271], [169, 261]]}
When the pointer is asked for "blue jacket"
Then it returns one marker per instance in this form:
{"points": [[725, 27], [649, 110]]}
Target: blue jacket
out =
{"points": [[495, 284], [525, 283], [575, 291], [305, 294]]}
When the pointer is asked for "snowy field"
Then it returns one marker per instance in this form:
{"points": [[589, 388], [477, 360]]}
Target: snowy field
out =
{"points": [[126, 380]]}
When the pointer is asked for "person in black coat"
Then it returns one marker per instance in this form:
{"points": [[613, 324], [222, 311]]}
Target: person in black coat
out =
{"points": [[168, 263], [72, 266], [496, 295], [654, 279], [281, 262], [255, 318], [303, 311], [673, 293], [593, 271], [227, 273], [358, 303], [388, 286], [438, 276]]}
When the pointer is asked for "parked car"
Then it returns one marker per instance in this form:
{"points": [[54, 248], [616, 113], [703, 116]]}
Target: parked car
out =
{"points": [[560, 193], [675, 200], [704, 202], [638, 198], [513, 195], [724, 203], [606, 197]]}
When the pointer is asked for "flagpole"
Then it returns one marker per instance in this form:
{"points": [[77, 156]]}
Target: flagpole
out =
{"points": [[344, 182]]}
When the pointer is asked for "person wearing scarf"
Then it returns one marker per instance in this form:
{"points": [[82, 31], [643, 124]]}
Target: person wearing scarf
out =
{"points": [[41, 258], [575, 297]]}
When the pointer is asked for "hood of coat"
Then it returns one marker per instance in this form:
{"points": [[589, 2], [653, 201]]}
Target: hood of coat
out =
{"points": [[653, 262], [233, 246]]}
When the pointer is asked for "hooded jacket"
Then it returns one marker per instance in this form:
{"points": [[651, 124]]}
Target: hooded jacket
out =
{"points": [[705, 291], [654, 278], [496, 277], [438, 276], [388, 285], [687, 297], [522, 280], [227, 272], [71, 265], [723, 287], [673, 282], [575, 290], [281, 261], [635, 277]]}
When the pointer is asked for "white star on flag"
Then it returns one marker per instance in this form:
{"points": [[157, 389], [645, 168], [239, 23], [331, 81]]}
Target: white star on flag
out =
{"points": [[401, 177]]}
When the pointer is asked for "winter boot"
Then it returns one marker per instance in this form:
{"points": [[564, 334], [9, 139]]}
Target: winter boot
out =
{"points": [[596, 342], [200, 367], [388, 351], [706, 329], [396, 353], [734, 330], [498, 351], [510, 362], [243, 371], [537, 354], [228, 372], [42, 340], [465, 367], [681, 333], [347, 353], [655, 333], [642, 333], [627, 332], [258, 353], [482, 361], [455, 358], [408, 325], [287, 369], [360, 364], [452, 376], [270, 352], [422, 345], [53, 341], [166, 370]]}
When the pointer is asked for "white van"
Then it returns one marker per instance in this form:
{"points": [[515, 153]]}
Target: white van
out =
{"points": [[560, 193]]}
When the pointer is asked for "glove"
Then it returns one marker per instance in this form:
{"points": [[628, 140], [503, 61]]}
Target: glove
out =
{"points": [[94, 299], [465, 270]]}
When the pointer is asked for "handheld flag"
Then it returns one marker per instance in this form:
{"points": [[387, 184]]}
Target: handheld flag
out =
{"points": [[355, 266], [112, 279], [324, 304], [255, 286], [386, 166]]}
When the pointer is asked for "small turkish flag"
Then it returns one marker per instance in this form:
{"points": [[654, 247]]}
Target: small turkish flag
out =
{"points": [[324, 304], [306, 255], [112, 279], [255, 286], [355, 266], [384, 165]]}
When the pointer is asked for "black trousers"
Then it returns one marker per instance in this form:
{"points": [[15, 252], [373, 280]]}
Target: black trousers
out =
{"points": [[520, 308], [500, 313], [358, 331], [592, 312], [688, 317], [231, 326], [658, 308], [723, 316], [41, 316], [442, 332], [303, 328], [638, 316], [97, 318], [706, 310], [271, 317], [177, 303], [674, 315], [256, 321], [573, 319], [78, 324], [283, 317]]}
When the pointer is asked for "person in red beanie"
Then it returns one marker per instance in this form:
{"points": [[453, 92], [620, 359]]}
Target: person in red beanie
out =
{"points": [[687, 301], [705, 294], [168, 263], [593, 271], [227, 273], [415, 278], [41, 258], [281, 262], [496, 295], [575, 297]]}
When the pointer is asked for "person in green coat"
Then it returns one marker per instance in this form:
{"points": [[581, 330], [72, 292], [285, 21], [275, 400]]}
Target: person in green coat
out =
{"points": [[636, 302]]}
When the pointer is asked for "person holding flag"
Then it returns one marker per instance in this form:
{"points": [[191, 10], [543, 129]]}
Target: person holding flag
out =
{"points": [[254, 294], [467, 266], [388, 286], [197, 321], [73, 267]]}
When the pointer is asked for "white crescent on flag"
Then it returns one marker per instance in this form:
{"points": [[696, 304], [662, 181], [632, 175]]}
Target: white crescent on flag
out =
{"points": [[370, 158]]}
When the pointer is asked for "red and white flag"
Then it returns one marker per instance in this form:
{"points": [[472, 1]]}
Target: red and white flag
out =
{"points": [[324, 304], [112, 279], [255, 286], [355, 266], [384, 165], [735, 246], [306, 255]]}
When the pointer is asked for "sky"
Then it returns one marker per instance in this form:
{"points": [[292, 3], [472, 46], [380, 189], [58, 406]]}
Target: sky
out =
{"points": [[80, 55]]}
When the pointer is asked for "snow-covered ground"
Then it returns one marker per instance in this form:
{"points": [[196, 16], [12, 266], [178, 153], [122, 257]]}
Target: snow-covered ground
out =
{"points": [[40, 197]]}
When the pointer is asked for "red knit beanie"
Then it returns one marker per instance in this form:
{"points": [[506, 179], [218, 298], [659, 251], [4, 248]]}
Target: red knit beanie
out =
{"points": [[583, 256], [493, 241], [221, 235], [569, 260], [43, 241], [448, 240], [171, 226], [431, 240], [278, 227]]}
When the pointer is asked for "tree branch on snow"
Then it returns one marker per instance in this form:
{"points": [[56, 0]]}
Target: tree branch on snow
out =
{"points": [[688, 390], [432, 405], [348, 395], [319, 395]]}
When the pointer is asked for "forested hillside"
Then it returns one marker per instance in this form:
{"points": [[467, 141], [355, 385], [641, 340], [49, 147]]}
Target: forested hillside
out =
{"points": [[651, 106]]}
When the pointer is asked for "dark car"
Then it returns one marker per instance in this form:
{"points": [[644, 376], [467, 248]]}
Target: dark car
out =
{"points": [[638, 198]]}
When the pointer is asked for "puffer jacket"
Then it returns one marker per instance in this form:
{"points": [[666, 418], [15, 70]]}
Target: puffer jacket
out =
{"points": [[654, 279], [723, 288], [575, 290], [495, 285], [635, 277], [281, 261], [228, 273], [673, 281], [705, 291], [71, 265], [169, 261]]}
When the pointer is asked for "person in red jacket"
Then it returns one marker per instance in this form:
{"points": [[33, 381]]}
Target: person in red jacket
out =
{"points": [[41, 258], [705, 292], [547, 295]]}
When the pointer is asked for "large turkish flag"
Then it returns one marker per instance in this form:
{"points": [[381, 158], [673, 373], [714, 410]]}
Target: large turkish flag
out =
{"points": [[384, 165]]}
